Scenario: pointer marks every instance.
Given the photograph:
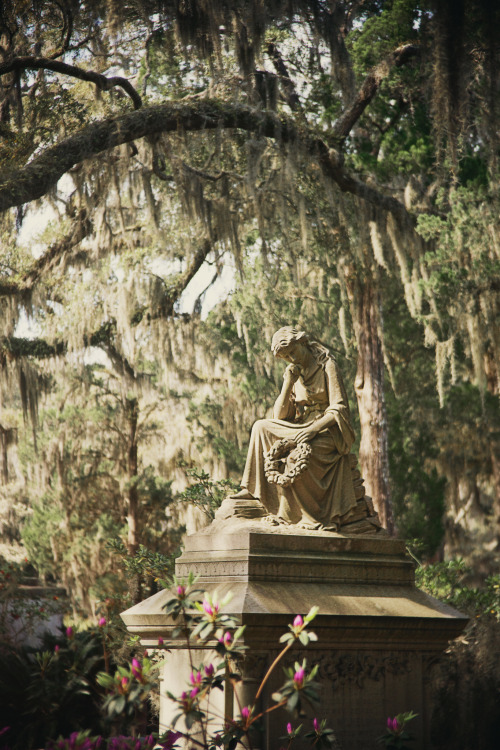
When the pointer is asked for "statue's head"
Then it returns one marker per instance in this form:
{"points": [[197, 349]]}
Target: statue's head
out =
{"points": [[286, 336]]}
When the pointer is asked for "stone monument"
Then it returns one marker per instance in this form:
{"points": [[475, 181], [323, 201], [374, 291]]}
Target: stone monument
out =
{"points": [[302, 533]]}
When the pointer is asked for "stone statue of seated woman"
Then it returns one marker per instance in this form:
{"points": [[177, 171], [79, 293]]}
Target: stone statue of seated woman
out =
{"points": [[299, 470]]}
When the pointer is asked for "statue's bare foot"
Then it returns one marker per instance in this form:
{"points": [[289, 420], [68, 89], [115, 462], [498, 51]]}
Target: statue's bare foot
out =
{"points": [[243, 494], [309, 526], [274, 520]]}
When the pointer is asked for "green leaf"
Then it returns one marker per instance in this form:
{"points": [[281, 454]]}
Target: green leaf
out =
{"points": [[311, 614], [293, 701]]}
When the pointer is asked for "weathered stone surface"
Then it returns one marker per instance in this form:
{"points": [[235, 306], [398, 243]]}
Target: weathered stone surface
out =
{"points": [[378, 634]]}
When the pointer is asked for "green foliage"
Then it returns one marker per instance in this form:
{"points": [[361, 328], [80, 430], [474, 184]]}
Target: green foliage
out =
{"points": [[207, 417], [447, 581], [85, 456], [299, 685], [202, 621], [321, 734], [52, 691], [145, 563], [206, 494], [128, 690], [418, 493], [396, 137], [298, 629], [397, 736], [296, 241]]}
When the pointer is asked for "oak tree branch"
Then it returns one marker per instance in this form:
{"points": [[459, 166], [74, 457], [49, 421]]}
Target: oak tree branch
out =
{"points": [[42, 173], [369, 88], [46, 63]]}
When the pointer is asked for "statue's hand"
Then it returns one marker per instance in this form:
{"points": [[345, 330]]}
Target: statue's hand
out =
{"points": [[291, 374], [306, 434]]}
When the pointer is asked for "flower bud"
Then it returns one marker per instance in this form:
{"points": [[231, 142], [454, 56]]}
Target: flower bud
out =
{"points": [[209, 610], [195, 678], [298, 677]]}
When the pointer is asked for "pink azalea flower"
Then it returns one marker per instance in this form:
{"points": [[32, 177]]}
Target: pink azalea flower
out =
{"points": [[315, 724], [195, 678], [181, 591], [194, 692], [289, 728], [69, 632], [56, 648], [210, 609], [102, 622], [160, 641], [392, 725], [245, 712], [136, 669], [228, 638], [209, 670], [298, 622], [298, 677]]}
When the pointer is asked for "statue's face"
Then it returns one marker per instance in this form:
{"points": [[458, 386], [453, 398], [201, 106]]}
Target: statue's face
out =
{"points": [[295, 353]]}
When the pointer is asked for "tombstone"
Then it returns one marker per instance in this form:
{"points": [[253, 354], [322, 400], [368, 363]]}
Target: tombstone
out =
{"points": [[302, 533]]}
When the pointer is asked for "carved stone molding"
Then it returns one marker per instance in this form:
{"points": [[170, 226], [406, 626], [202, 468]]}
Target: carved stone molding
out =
{"points": [[344, 668]]}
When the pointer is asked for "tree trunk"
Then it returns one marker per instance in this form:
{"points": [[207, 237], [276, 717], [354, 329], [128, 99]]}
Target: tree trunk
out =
{"points": [[132, 412], [366, 313], [493, 386]]}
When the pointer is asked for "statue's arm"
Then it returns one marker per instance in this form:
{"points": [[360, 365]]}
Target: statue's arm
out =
{"points": [[283, 406], [329, 418]]}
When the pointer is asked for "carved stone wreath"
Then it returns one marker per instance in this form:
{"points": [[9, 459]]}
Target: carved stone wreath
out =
{"points": [[285, 461]]}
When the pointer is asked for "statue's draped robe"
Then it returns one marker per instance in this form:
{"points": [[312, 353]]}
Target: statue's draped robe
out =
{"points": [[323, 496]]}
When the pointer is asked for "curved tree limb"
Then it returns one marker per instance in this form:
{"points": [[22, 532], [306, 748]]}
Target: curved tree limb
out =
{"points": [[47, 63], [42, 173], [292, 98], [369, 88], [15, 347]]}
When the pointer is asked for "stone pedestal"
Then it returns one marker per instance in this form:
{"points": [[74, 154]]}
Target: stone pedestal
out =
{"points": [[378, 635]]}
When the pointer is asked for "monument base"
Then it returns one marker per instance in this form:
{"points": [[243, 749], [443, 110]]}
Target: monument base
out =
{"points": [[378, 635]]}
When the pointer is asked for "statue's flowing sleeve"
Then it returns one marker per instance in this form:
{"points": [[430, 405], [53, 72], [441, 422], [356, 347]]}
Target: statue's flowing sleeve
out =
{"points": [[342, 431]]}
